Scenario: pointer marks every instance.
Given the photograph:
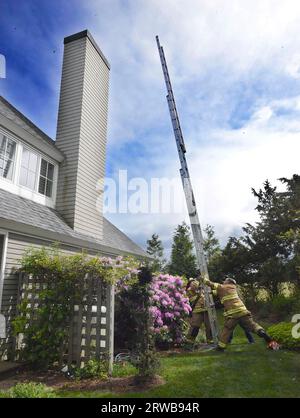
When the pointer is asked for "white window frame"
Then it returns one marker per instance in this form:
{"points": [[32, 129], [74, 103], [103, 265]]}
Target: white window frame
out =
{"points": [[13, 185], [3, 263]]}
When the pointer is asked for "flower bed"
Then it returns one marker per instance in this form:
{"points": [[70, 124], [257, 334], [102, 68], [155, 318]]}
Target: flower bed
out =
{"points": [[170, 310]]}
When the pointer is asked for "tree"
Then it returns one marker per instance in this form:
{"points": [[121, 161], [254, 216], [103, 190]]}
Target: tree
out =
{"points": [[156, 250], [211, 243], [268, 253], [183, 259], [291, 237], [274, 241]]}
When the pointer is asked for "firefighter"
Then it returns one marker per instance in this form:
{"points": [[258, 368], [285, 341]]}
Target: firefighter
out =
{"points": [[248, 335], [235, 312], [199, 314]]}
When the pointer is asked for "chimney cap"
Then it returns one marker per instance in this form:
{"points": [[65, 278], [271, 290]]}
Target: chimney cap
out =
{"points": [[87, 34]]}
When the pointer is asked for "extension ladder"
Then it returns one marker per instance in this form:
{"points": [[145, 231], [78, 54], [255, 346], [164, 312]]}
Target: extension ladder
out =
{"points": [[189, 195]]}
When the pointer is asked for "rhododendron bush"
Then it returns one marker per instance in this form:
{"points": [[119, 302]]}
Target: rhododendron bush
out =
{"points": [[169, 311], [170, 308]]}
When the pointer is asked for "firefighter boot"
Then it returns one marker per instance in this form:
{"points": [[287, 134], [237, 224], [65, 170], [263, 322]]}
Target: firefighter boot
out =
{"points": [[272, 345], [190, 344]]}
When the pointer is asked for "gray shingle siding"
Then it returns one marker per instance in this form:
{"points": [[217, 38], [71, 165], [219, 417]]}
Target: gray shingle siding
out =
{"points": [[81, 135]]}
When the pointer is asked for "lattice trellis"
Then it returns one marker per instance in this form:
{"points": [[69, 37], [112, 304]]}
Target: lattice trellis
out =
{"points": [[91, 326]]}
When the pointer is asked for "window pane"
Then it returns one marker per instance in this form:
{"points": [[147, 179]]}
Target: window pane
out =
{"points": [[10, 149], [31, 176], [33, 161], [29, 168], [49, 188], [7, 157], [2, 145], [42, 185], [1, 163], [25, 158], [44, 166], [23, 176], [50, 171], [8, 169], [46, 178]]}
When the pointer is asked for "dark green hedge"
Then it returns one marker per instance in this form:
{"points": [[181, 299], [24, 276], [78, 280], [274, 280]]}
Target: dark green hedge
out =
{"points": [[282, 333]]}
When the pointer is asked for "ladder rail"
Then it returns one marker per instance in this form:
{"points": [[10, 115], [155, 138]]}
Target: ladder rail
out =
{"points": [[189, 195]]}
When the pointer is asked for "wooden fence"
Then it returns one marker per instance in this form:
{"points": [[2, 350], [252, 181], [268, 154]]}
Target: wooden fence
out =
{"points": [[91, 328]]}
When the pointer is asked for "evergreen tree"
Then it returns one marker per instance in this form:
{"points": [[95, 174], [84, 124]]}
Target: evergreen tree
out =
{"points": [[211, 243], [156, 250], [213, 253], [268, 253], [183, 259]]}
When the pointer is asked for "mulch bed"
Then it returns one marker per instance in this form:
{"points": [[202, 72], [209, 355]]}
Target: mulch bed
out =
{"points": [[58, 381]]}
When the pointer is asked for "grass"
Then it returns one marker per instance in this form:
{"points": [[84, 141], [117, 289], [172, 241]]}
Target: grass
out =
{"points": [[242, 371]]}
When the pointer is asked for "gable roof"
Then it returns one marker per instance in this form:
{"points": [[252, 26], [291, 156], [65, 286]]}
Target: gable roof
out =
{"points": [[13, 120], [47, 223], [8, 110]]}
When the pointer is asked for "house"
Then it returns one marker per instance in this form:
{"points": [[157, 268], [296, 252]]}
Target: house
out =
{"points": [[48, 188]]}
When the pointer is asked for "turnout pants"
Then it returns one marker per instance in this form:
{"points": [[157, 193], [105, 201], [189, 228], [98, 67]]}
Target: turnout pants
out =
{"points": [[246, 322], [196, 322]]}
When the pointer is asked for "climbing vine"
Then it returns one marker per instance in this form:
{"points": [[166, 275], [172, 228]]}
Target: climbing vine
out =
{"points": [[63, 279]]}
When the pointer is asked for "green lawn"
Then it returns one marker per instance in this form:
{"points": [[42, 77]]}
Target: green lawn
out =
{"points": [[242, 371]]}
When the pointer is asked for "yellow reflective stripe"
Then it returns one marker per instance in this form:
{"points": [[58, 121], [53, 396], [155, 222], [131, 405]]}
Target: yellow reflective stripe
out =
{"points": [[216, 286], [222, 345], [199, 310], [230, 297], [211, 284], [230, 312]]}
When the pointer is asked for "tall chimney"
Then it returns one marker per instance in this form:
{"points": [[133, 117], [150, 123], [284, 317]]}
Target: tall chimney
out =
{"points": [[81, 133]]}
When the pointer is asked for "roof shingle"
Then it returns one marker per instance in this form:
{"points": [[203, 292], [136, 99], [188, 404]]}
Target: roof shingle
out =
{"points": [[24, 211]]}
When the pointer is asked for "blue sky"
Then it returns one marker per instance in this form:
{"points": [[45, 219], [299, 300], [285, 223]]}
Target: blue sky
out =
{"points": [[235, 68]]}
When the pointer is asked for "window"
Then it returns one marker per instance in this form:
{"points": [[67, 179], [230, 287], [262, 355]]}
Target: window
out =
{"points": [[46, 178], [29, 173], [7, 157], [29, 169]]}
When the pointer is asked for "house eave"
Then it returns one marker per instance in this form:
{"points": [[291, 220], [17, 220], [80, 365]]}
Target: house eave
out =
{"points": [[49, 236], [39, 143]]}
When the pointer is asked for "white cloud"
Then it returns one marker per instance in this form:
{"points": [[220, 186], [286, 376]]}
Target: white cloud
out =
{"points": [[293, 67], [228, 60]]}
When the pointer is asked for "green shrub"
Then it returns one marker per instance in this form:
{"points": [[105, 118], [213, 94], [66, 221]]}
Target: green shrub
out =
{"points": [[283, 304], [282, 333], [138, 323], [124, 369], [31, 390], [92, 369], [279, 306]]}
